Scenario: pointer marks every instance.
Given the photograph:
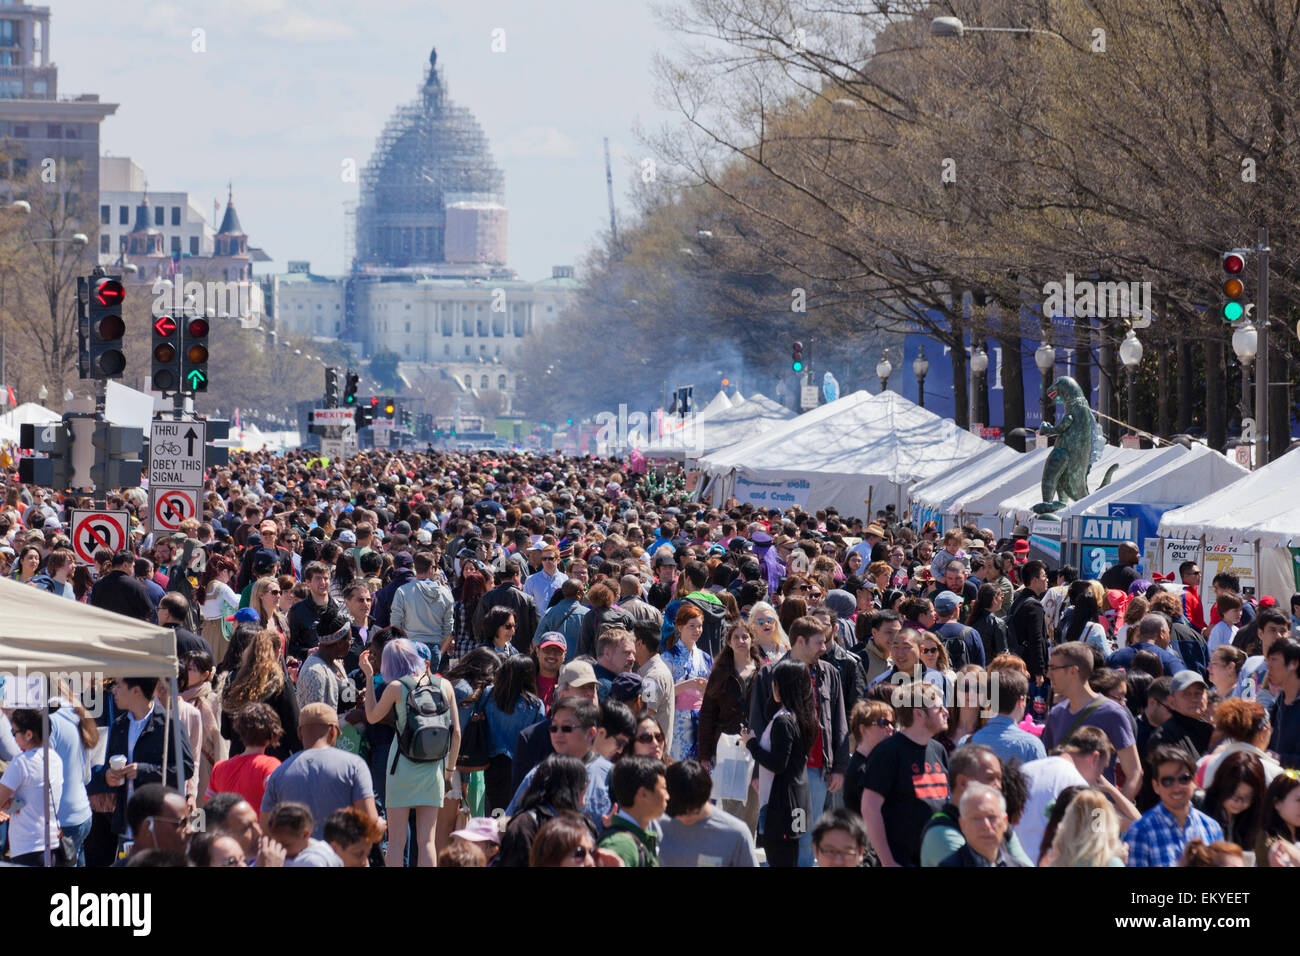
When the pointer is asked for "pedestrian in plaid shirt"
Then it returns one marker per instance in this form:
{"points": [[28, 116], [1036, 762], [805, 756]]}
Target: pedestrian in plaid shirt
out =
{"points": [[1163, 832]]}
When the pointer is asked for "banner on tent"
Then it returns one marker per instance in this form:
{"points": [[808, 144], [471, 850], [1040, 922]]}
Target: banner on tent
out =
{"points": [[1178, 550], [1099, 540], [921, 516], [1237, 558], [1045, 541], [782, 493], [1146, 520]]}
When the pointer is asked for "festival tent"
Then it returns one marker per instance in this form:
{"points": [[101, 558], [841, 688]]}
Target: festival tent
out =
{"points": [[702, 435], [1261, 511], [1182, 475], [858, 453], [931, 498], [48, 635], [719, 403], [29, 413], [982, 499], [1018, 506]]}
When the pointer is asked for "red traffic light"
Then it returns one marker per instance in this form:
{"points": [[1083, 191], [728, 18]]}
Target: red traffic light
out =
{"points": [[109, 292], [374, 402], [198, 328], [164, 325], [1234, 263], [111, 327]]}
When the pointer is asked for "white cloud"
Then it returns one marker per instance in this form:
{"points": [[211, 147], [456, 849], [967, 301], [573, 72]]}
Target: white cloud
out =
{"points": [[543, 142], [278, 20]]}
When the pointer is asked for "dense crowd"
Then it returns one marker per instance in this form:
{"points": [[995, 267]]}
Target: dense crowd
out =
{"points": [[515, 660]]}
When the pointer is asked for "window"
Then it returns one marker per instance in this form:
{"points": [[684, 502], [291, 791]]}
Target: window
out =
{"points": [[408, 326], [124, 215], [70, 130], [40, 88], [483, 382], [467, 351], [501, 382], [105, 215], [21, 130], [446, 350], [194, 245], [11, 33], [176, 215], [158, 215], [9, 58], [54, 131], [176, 245], [469, 381], [103, 244]]}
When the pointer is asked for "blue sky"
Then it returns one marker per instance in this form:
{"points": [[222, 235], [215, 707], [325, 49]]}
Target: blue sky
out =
{"points": [[289, 89]]}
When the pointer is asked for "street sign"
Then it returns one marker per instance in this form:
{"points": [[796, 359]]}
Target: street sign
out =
{"points": [[92, 530], [1245, 455], [176, 454], [332, 448], [334, 416], [991, 432], [1130, 441], [808, 396], [168, 507]]}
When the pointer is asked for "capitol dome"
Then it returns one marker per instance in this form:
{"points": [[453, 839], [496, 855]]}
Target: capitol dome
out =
{"points": [[431, 155]]}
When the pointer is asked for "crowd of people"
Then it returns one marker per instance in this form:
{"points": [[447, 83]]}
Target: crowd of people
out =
{"points": [[420, 659]]}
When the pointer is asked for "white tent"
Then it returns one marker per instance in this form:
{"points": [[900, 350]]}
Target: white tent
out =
{"points": [[29, 413], [1019, 505], [704, 435], [720, 403], [1180, 476], [1262, 506], [857, 454], [937, 496], [41, 633]]}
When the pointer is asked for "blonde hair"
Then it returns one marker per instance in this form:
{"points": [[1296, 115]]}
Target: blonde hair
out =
{"points": [[260, 587], [760, 607], [944, 663], [1089, 832], [260, 674]]}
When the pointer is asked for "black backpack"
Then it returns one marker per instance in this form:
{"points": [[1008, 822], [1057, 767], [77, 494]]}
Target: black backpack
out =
{"points": [[425, 735]]}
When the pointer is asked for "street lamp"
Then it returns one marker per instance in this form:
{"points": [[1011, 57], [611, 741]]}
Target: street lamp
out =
{"points": [[953, 27], [43, 394], [1130, 353], [920, 368], [883, 370], [1245, 341], [979, 364], [1045, 359]]}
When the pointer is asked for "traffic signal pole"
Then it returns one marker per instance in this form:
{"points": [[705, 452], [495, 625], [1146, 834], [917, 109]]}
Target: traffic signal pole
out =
{"points": [[1262, 416]]}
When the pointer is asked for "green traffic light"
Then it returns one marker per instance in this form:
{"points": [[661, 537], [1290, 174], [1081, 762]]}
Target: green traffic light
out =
{"points": [[797, 366], [1232, 311]]}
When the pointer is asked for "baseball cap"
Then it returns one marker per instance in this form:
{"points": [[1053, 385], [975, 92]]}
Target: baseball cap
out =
{"points": [[946, 601], [318, 714], [576, 674], [551, 639], [245, 615], [625, 687], [1185, 679], [347, 536], [480, 830], [403, 560]]}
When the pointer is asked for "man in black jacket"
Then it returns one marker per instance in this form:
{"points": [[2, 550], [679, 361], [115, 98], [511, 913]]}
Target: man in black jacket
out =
{"points": [[508, 593], [304, 614], [403, 573], [120, 591], [173, 610], [137, 734], [830, 753], [1027, 620]]}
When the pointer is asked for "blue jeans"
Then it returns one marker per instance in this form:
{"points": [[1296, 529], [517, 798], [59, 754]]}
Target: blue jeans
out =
{"points": [[78, 836], [817, 781]]}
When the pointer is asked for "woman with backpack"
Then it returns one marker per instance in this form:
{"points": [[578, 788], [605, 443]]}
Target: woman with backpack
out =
{"points": [[423, 754], [985, 619]]}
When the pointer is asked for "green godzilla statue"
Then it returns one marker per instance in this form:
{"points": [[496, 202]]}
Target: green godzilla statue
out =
{"points": [[1078, 447]]}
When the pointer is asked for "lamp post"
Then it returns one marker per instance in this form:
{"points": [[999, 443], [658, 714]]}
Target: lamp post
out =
{"points": [[883, 370], [1130, 353], [953, 27], [1245, 341], [1045, 359], [979, 365], [920, 368]]}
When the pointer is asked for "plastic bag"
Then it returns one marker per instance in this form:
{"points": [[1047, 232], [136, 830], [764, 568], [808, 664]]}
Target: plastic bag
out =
{"points": [[732, 768]]}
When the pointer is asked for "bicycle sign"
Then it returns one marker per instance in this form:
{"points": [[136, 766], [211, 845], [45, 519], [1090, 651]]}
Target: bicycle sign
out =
{"points": [[176, 454]]}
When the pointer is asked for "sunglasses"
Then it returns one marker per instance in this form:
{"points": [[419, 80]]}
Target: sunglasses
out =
{"points": [[882, 722], [929, 650], [583, 853], [564, 728], [645, 737], [1182, 780], [269, 591]]}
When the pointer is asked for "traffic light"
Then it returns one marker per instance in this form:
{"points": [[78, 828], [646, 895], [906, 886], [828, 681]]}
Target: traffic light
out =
{"points": [[107, 360], [796, 357], [165, 357], [390, 406], [350, 389], [1234, 264], [331, 388], [194, 354]]}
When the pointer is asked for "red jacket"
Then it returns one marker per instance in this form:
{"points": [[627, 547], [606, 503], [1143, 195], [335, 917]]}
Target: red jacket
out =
{"points": [[1192, 607]]}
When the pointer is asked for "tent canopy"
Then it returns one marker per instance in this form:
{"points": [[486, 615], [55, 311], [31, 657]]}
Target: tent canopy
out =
{"points": [[727, 427], [945, 489], [29, 413], [1019, 505], [43, 632], [860, 448], [1182, 475], [1261, 506]]}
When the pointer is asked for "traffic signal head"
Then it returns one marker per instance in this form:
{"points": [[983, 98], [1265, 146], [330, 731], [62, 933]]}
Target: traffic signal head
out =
{"points": [[1234, 263], [166, 354], [194, 354], [107, 360], [331, 387], [796, 357], [350, 388], [390, 406]]}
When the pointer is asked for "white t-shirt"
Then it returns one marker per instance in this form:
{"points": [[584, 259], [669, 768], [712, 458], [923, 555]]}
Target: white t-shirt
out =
{"points": [[1044, 779], [1222, 633], [25, 776], [221, 597]]}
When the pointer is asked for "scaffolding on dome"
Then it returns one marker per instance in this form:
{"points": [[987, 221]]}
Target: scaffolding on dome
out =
{"points": [[431, 155]]}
